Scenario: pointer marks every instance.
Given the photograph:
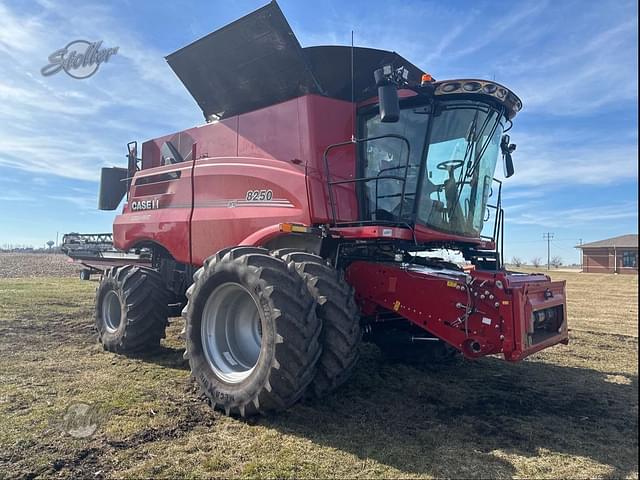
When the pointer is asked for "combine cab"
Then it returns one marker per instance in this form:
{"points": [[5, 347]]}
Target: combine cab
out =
{"points": [[311, 210]]}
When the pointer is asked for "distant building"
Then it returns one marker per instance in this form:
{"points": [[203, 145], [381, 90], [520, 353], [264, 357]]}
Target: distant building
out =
{"points": [[613, 255]]}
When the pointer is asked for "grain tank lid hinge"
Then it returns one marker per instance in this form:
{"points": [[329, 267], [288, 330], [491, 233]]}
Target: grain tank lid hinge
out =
{"points": [[257, 61]]}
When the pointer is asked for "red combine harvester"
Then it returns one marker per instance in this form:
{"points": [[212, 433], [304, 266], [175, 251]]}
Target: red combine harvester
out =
{"points": [[311, 209]]}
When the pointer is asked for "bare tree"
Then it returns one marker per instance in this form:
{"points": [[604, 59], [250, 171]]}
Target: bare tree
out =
{"points": [[536, 262], [556, 261], [517, 261]]}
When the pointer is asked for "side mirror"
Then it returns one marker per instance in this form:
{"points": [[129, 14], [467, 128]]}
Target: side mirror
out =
{"points": [[132, 156], [389, 104], [387, 95], [132, 148], [508, 165], [113, 186], [507, 149]]}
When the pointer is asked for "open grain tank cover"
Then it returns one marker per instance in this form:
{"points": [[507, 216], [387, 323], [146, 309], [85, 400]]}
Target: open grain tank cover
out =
{"points": [[257, 61]]}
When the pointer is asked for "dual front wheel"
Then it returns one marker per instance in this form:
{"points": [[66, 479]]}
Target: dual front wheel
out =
{"points": [[262, 328], [259, 334]]}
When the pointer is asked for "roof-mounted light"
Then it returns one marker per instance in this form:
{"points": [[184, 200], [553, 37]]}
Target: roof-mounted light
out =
{"points": [[489, 89], [471, 86], [426, 79], [451, 87], [482, 87]]}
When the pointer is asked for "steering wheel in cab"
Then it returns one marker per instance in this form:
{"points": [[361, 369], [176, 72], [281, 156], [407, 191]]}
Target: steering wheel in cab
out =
{"points": [[450, 165], [450, 185]]}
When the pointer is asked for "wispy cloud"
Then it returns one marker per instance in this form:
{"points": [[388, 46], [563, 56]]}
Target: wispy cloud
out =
{"points": [[544, 163], [70, 128], [13, 196], [501, 28], [82, 202], [509, 195], [577, 79], [446, 41], [532, 214]]}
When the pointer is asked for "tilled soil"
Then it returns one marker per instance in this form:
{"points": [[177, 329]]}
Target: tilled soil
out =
{"points": [[24, 265]]}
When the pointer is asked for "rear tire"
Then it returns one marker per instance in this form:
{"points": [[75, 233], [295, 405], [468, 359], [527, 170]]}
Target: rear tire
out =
{"points": [[131, 309], [242, 299], [341, 332]]}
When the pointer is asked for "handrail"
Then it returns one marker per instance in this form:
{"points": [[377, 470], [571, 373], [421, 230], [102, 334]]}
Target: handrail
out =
{"points": [[497, 207], [501, 233]]}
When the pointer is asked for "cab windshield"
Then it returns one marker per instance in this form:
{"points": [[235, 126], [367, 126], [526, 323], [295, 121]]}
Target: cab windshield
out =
{"points": [[450, 160]]}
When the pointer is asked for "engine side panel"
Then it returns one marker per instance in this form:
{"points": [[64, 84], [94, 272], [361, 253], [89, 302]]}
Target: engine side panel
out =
{"points": [[237, 197]]}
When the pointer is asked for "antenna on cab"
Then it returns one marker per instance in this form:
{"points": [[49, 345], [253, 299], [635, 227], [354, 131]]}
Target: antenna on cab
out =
{"points": [[353, 94]]}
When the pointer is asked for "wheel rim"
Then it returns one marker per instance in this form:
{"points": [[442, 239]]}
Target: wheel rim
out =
{"points": [[231, 332], [111, 311]]}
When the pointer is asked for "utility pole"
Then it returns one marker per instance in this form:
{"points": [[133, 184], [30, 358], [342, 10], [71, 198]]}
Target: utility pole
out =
{"points": [[581, 260], [548, 236]]}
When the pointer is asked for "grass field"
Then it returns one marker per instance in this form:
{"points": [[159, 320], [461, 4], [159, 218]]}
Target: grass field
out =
{"points": [[570, 411]]}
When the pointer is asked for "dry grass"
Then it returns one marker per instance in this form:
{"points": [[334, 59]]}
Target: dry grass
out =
{"points": [[570, 411], [602, 303]]}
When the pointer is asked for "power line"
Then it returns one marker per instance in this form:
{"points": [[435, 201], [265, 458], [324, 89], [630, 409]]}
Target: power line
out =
{"points": [[548, 236]]}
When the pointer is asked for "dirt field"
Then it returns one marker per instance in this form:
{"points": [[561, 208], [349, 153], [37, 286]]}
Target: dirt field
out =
{"points": [[70, 409], [20, 265]]}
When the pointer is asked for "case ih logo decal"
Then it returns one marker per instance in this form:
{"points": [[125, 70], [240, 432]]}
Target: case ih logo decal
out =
{"points": [[145, 205], [79, 59]]}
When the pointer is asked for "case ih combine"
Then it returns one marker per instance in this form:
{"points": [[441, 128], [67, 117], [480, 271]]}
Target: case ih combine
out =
{"points": [[309, 211]]}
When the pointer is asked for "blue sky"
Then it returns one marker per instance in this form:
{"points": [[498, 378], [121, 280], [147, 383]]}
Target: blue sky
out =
{"points": [[574, 64]]}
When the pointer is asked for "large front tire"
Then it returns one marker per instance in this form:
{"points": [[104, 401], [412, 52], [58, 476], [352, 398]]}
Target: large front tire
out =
{"points": [[341, 332], [252, 332], [131, 311]]}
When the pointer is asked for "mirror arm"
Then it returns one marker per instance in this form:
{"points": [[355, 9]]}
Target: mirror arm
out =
{"points": [[507, 149]]}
